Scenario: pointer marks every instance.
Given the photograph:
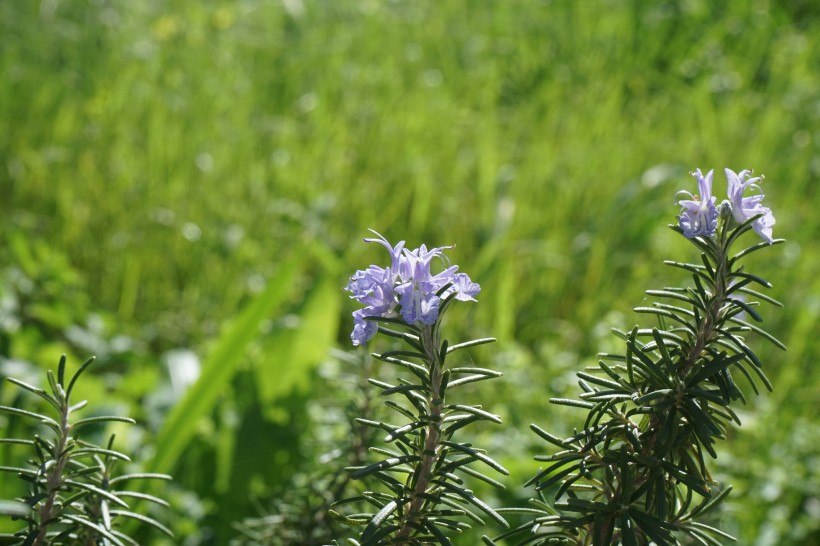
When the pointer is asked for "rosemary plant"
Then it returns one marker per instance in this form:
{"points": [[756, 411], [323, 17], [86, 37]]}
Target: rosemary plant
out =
{"points": [[422, 497], [74, 496], [636, 472]]}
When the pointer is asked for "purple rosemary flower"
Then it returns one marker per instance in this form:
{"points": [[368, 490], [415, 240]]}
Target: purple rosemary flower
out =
{"points": [[408, 284], [744, 208], [418, 305], [465, 288], [373, 287], [364, 330], [699, 215], [395, 252]]}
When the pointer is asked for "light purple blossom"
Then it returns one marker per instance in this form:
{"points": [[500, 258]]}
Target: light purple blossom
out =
{"points": [[418, 305], [744, 208], [363, 330], [395, 252], [408, 284], [464, 288], [699, 215], [373, 287]]}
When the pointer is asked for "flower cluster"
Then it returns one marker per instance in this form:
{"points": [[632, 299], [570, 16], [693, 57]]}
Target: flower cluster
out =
{"points": [[407, 286], [699, 214]]}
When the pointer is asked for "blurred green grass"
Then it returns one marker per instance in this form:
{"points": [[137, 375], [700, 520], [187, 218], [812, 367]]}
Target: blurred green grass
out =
{"points": [[176, 153]]}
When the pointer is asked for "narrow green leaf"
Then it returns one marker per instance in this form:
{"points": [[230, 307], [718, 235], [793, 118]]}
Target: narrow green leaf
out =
{"points": [[100, 451], [402, 389], [404, 430], [36, 390], [383, 465], [45, 419], [677, 296], [140, 476], [754, 248], [549, 437], [661, 344], [709, 503], [77, 375], [377, 521], [654, 395], [694, 482], [760, 331], [142, 496], [627, 532], [647, 365], [747, 308], [410, 339], [701, 537], [396, 407], [743, 275], [143, 519], [420, 371], [181, 424], [475, 501], [465, 448], [717, 364], [16, 441], [709, 269], [480, 476], [122, 536], [468, 379], [55, 388], [655, 528], [402, 353], [741, 229], [97, 490], [61, 371], [102, 419], [475, 411], [571, 402], [712, 530], [664, 313], [756, 294], [14, 508], [94, 527], [471, 343], [697, 270], [571, 459], [442, 538], [302, 348], [602, 381]]}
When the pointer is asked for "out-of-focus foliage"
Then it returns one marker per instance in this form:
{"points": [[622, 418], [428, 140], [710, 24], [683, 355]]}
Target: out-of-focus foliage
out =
{"points": [[159, 161], [297, 513]]}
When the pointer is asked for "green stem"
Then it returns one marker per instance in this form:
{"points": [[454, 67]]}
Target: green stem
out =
{"points": [[54, 481], [706, 332], [432, 436]]}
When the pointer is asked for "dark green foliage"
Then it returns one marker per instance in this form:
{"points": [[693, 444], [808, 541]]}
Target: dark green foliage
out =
{"points": [[73, 497], [298, 513], [637, 472], [423, 497]]}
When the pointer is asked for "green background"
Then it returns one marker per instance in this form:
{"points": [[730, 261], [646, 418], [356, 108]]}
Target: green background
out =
{"points": [[189, 182]]}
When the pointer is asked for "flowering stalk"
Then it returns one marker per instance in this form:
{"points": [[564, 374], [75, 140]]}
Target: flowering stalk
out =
{"points": [[636, 473], [432, 437], [422, 495]]}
